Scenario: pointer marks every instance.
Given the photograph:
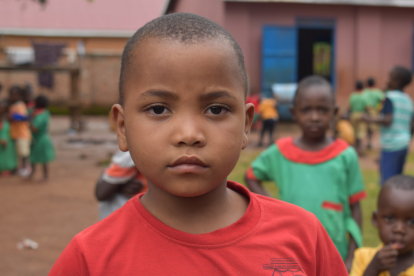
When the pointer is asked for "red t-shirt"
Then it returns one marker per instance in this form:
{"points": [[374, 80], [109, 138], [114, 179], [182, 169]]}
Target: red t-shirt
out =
{"points": [[272, 238]]}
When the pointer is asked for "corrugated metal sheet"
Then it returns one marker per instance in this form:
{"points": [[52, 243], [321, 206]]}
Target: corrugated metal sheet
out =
{"points": [[396, 3]]}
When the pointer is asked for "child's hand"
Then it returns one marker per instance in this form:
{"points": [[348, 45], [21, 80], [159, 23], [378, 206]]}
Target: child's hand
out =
{"points": [[365, 118], [385, 259], [3, 143], [34, 129]]}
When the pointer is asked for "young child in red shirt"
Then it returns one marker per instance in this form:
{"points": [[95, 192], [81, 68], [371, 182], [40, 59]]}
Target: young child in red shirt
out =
{"points": [[184, 120], [394, 219]]}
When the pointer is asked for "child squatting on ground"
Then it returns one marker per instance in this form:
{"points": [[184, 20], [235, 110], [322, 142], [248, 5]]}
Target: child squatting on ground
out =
{"points": [[396, 123], [119, 182], [184, 120], [394, 219], [314, 171]]}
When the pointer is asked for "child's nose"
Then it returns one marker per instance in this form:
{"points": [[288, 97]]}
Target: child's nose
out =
{"points": [[188, 132], [399, 227]]}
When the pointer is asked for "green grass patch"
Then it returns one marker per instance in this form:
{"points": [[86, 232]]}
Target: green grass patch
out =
{"points": [[88, 110]]}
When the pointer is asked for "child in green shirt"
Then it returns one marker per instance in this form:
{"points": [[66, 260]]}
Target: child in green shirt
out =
{"points": [[374, 97], [8, 157], [314, 171], [358, 105], [42, 151]]}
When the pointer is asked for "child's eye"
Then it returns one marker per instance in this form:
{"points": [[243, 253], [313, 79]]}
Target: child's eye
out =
{"points": [[410, 222], [217, 110], [388, 218], [157, 110]]}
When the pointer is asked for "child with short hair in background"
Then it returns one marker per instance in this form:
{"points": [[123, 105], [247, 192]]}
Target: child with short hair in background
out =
{"points": [[269, 116], [20, 129], [8, 158], [315, 171], [42, 151], [396, 123], [358, 106], [374, 96], [184, 121], [394, 219], [119, 182]]}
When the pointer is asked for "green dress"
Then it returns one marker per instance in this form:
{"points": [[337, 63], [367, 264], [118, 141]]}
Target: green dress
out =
{"points": [[8, 158], [324, 182], [42, 151]]}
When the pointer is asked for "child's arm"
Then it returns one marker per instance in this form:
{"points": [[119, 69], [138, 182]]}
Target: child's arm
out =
{"points": [[385, 259], [261, 170], [357, 216], [387, 117], [105, 190], [255, 186]]}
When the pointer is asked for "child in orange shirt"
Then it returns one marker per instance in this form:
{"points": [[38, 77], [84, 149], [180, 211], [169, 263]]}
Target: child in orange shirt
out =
{"points": [[20, 129]]}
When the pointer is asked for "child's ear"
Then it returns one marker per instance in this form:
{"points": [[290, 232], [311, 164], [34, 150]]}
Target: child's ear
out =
{"points": [[248, 123], [336, 109], [119, 122], [374, 219]]}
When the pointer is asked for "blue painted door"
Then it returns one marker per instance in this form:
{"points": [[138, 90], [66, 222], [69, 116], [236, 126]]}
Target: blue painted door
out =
{"points": [[279, 56]]}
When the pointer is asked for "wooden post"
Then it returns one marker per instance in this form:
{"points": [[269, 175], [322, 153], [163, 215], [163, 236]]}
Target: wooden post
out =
{"points": [[75, 107]]}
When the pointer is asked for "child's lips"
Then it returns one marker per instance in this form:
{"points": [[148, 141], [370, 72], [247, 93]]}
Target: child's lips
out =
{"points": [[188, 164]]}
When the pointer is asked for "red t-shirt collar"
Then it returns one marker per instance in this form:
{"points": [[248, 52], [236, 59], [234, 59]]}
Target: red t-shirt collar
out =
{"points": [[295, 154], [221, 237]]}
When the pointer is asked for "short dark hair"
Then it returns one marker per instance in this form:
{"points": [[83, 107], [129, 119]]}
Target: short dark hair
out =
{"points": [[359, 85], [371, 82], [41, 101], [186, 28], [309, 81], [401, 181], [403, 76], [16, 89]]}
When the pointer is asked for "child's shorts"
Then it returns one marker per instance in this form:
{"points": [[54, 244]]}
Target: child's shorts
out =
{"points": [[22, 147], [360, 128], [392, 163]]}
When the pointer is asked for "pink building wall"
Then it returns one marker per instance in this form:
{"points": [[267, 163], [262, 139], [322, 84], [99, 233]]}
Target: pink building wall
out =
{"points": [[80, 14], [369, 40]]}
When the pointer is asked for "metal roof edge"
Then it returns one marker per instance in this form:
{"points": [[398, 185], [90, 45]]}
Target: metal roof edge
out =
{"points": [[66, 32], [387, 3]]}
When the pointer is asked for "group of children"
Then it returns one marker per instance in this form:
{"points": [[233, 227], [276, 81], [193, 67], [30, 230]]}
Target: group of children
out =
{"points": [[265, 110], [364, 100], [392, 111], [24, 138], [184, 130]]}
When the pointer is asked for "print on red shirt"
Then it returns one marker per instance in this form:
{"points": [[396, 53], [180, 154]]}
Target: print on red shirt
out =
{"points": [[283, 267]]}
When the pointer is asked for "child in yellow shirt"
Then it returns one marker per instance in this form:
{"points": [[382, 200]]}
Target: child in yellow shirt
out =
{"points": [[394, 219]]}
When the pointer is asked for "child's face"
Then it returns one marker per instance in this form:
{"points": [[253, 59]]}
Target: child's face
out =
{"points": [[314, 110], [14, 96], [395, 218], [184, 119]]}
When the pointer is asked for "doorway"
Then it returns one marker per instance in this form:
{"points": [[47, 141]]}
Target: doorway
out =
{"points": [[315, 52]]}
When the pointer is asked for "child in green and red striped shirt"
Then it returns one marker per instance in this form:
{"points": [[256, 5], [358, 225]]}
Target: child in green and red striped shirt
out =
{"points": [[314, 171]]}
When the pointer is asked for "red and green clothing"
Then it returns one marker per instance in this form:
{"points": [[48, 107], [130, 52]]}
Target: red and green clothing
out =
{"points": [[8, 157], [42, 151], [324, 182]]}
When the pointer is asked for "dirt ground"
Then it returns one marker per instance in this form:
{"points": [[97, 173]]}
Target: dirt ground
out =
{"points": [[52, 213]]}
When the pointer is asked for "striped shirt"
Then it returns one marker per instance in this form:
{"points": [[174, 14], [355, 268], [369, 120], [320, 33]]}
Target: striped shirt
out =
{"points": [[397, 136]]}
